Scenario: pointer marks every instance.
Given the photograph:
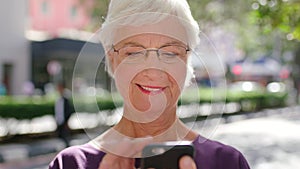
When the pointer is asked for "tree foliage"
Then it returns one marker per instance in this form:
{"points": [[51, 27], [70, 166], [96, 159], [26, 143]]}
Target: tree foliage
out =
{"points": [[219, 12], [100, 9], [257, 24], [281, 15]]}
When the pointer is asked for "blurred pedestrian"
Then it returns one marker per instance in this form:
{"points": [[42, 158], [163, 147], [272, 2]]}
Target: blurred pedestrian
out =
{"points": [[63, 111], [2, 89], [148, 46]]}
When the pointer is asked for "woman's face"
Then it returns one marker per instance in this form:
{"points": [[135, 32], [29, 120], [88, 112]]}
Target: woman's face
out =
{"points": [[150, 85]]}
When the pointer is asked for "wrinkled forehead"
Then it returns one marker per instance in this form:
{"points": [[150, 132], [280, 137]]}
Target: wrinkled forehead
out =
{"points": [[170, 26]]}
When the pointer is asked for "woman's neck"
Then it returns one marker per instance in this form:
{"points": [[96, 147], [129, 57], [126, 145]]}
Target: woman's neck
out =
{"points": [[166, 128], [162, 130], [136, 129]]}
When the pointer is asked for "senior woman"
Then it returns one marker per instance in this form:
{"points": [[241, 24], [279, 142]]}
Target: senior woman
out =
{"points": [[147, 45]]}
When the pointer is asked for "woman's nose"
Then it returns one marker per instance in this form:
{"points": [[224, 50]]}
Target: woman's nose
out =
{"points": [[152, 59], [153, 74]]}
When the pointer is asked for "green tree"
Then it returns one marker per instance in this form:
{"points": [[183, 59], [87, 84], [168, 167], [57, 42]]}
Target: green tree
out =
{"points": [[278, 15], [97, 12], [259, 25], [283, 18], [100, 9]]}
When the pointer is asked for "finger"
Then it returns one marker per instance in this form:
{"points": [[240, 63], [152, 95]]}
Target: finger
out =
{"points": [[110, 161], [186, 162], [124, 163], [138, 144], [121, 156], [129, 147]]}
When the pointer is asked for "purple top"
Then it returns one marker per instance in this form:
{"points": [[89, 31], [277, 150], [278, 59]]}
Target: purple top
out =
{"points": [[208, 155]]}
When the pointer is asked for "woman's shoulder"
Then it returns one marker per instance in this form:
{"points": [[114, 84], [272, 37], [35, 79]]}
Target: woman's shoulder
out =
{"points": [[86, 149], [79, 156], [215, 154], [212, 146]]}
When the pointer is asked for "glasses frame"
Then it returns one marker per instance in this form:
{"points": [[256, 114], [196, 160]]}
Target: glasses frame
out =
{"points": [[187, 49]]}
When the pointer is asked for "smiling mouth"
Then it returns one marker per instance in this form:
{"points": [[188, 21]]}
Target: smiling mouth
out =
{"points": [[151, 89]]}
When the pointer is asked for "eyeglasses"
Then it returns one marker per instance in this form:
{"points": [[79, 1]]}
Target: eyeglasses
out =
{"points": [[167, 54]]}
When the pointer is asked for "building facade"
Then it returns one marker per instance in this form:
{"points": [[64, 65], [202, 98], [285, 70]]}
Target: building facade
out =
{"points": [[56, 16], [61, 23], [52, 17], [15, 65]]}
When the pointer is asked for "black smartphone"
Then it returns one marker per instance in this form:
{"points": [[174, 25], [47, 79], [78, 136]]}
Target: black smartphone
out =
{"points": [[165, 155]]}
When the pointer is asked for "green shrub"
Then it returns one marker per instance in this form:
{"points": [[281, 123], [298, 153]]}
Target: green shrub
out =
{"points": [[20, 107]]}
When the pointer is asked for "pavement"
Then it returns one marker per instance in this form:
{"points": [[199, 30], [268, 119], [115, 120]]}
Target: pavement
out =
{"points": [[34, 154], [268, 139], [269, 142]]}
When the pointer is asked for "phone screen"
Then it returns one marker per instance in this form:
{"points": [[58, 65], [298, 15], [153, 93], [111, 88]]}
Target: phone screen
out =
{"points": [[165, 155]]}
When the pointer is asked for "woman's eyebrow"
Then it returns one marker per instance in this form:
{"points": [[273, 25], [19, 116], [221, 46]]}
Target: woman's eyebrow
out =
{"points": [[132, 44], [173, 43], [136, 44]]}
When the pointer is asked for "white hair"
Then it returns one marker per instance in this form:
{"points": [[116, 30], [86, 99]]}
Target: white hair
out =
{"points": [[158, 10], [145, 12]]}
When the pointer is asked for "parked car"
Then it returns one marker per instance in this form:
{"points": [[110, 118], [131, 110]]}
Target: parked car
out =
{"points": [[246, 86], [276, 87]]}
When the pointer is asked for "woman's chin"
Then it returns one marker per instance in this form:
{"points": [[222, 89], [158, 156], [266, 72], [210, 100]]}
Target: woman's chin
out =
{"points": [[144, 114]]}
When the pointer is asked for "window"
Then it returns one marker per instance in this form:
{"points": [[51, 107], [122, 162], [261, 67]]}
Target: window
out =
{"points": [[45, 7], [73, 12]]}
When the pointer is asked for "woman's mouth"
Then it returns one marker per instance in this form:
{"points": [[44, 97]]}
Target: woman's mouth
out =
{"points": [[151, 89]]}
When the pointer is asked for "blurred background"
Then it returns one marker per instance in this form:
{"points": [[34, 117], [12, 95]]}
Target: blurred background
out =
{"points": [[253, 92]]}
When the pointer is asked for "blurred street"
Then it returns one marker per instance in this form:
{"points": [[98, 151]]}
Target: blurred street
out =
{"points": [[268, 139]]}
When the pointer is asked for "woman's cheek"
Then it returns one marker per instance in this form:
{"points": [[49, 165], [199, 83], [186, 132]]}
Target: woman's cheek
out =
{"points": [[177, 73], [123, 76]]}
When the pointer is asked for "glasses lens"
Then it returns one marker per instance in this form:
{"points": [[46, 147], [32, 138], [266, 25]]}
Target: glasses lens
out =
{"points": [[132, 54], [171, 54]]}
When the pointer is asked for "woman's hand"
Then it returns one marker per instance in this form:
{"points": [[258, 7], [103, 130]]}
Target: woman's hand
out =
{"points": [[187, 162], [125, 150], [110, 161], [123, 153], [117, 162]]}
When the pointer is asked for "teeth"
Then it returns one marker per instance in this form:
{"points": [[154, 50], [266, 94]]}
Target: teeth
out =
{"points": [[150, 89]]}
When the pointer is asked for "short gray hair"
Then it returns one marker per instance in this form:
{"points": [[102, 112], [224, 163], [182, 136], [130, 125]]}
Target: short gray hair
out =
{"points": [[145, 12], [159, 9]]}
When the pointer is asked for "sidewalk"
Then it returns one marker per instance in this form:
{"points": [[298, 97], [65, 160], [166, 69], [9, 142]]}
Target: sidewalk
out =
{"points": [[36, 154], [19, 151], [38, 162], [269, 142]]}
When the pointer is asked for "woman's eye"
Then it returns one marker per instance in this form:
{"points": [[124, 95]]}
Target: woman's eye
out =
{"points": [[170, 54], [134, 53]]}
